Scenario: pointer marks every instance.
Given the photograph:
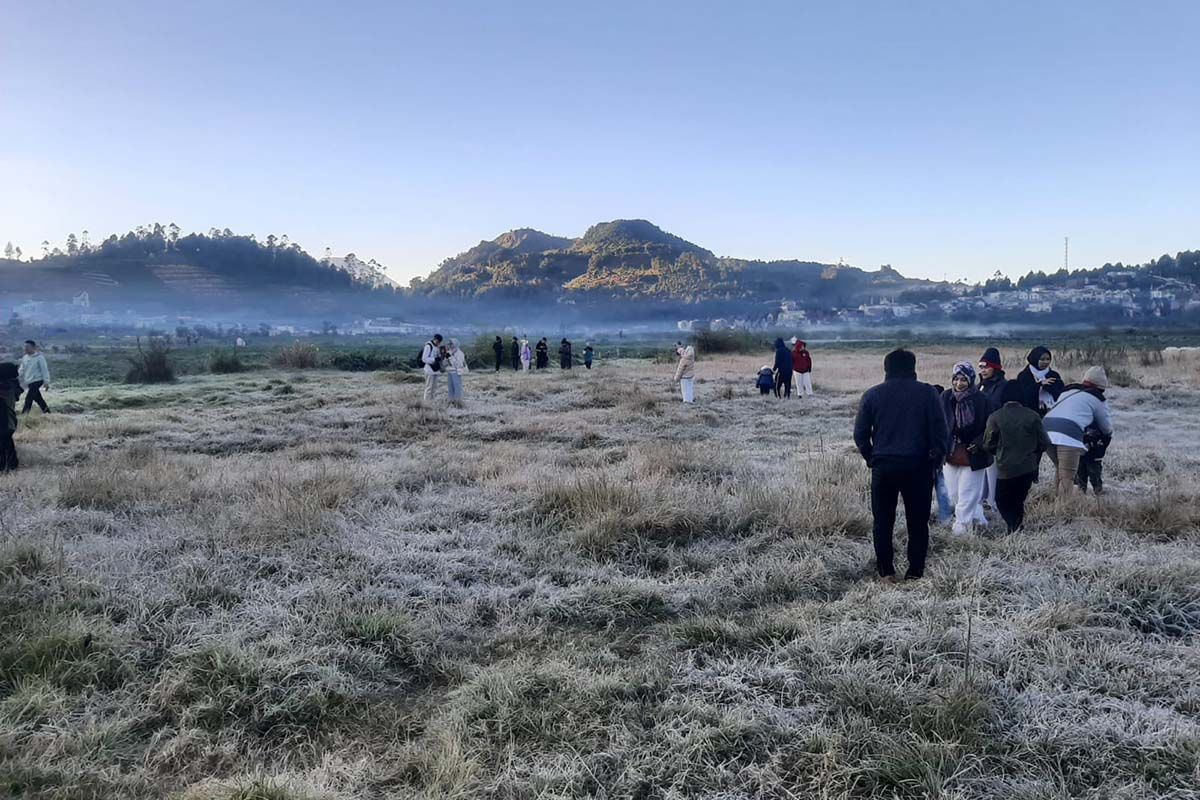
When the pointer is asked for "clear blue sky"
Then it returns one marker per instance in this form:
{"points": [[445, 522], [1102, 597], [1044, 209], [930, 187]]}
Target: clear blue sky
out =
{"points": [[949, 138]]}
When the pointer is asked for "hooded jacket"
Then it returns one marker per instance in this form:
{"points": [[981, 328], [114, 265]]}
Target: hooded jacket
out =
{"points": [[687, 364], [801, 358], [783, 358], [900, 424]]}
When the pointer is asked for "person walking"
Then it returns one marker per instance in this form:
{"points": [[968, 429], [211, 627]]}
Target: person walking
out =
{"points": [[966, 411], [456, 367], [543, 353], [564, 354], [991, 386], [588, 354], [783, 369], [526, 355], [1017, 438], [1040, 386], [685, 372], [802, 368], [514, 354], [901, 433], [431, 365], [1079, 406], [498, 349], [34, 376], [10, 391]]}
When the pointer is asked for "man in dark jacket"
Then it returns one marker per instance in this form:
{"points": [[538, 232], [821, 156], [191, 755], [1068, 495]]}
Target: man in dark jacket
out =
{"points": [[514, 354], [543, 353], [498, 349], [901, 433], [564, 354], [783, 369], [1017, 438], [10, 392]]}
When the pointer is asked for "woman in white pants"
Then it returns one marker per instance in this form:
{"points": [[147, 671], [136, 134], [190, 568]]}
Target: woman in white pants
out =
{"points": [[685, 373], [526, 355], [966, 465]]}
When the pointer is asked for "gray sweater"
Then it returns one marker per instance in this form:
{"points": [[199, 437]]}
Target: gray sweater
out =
{"points": [[1075, 410]]}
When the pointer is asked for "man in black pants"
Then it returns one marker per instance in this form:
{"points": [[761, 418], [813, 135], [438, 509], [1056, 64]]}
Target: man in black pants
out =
{"points": [[901, 432], [1017, 438], [35, 374], [498, 349], [514, 352]]}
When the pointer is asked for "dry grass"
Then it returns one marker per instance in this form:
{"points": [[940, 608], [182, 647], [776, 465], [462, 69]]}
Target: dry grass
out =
{"points": [[243, 588]]}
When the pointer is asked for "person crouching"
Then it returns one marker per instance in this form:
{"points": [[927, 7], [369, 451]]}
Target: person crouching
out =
{"points": [[766, 380]]}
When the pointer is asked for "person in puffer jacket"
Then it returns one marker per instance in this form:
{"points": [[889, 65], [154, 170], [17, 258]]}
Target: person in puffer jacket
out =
{"points": [[1080, 406], [766, 380]]}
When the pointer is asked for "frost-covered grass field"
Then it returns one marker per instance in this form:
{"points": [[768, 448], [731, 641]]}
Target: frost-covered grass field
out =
{"points": [[287, 585]]}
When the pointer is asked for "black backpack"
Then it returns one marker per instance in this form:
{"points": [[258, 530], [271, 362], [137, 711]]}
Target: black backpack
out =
{"points": [[436, 366]]}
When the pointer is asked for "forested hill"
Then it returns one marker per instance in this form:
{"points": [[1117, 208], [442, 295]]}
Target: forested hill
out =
{"points": [[156, 266], [636, 260]]}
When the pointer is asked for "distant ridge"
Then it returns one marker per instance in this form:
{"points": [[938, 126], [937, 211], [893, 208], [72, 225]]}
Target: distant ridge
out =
{"points": [[634, 259]]}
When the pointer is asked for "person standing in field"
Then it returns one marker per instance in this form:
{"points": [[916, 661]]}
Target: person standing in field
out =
{"points": [[526, 355], [1040, 386], [498, 349], [34, 376], [685, 372], [802, 368], [1016, 437], [991, 386], [588, 354], [431, 365], [456, 367], [783, 369], [564, 354], [10, 391], [1079, 407], [543, 353], [514, 354], [901, 432], [966, 411]]}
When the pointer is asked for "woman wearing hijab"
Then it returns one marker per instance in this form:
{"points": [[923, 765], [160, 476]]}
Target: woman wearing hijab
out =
{"points": [[526, 355], [685, 373], [783, 369], [1039, 385], [455, 367], [966, 465], [1080, 406]]}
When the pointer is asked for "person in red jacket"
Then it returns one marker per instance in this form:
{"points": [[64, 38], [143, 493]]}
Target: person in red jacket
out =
{"points": [[802, 368]]}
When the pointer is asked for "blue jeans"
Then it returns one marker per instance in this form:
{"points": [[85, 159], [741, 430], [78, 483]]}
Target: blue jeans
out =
{"points": [[945, 510]]}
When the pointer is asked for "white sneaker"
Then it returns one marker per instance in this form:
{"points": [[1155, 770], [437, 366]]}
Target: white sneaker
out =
{"points": [[960, 530]]}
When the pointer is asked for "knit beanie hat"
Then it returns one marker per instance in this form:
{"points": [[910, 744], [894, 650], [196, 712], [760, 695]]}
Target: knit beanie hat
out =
{"points": [[900, 363], [991, 357], [1097, 377]]}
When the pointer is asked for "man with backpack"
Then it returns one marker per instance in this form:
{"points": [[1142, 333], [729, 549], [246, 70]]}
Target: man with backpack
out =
{"points": [[431, 365]]}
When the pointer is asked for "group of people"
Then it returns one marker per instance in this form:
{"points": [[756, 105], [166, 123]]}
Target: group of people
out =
{"points": [[794, 365], [439, 357], [977, 443], [521, 355], [29, 377]]}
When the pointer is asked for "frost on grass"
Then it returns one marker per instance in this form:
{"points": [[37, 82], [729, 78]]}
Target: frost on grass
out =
{"points": [[234, 588]]}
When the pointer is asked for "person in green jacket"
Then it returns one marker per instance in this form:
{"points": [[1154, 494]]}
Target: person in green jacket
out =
{"points": [[10, 392], [1016, 437]]}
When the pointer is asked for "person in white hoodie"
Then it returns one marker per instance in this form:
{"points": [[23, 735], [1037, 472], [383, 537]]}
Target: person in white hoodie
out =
{"points": [[431, 365], [685, 373], [35, 376], [1079, 406], [456, 367]]}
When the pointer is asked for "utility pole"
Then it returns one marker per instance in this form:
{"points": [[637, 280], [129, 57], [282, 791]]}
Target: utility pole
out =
{"points": [[1066, 253]]}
